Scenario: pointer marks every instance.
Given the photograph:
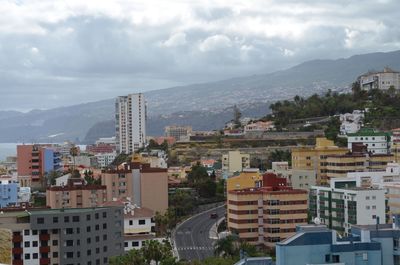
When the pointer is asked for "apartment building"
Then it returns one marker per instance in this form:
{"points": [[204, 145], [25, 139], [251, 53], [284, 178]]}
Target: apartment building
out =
{"points": [[395, 144], [359, 160], [314, 158], [138, 183], [340, 206], [64, 236], [248, 178], [130, 122], [266, 215], [259, 126], [35, 161], [235, 161], [380, 80], [8, 191], [105, 159], [179, 133], [316, 244], [302, 179], [76, 194], [376, 142]]}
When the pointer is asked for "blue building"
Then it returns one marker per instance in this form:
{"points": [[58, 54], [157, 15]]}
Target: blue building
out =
{"points": [[316, 244], [8, 191]]}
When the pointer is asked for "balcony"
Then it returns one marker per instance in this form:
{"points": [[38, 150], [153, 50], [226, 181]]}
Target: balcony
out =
{"points": [[17, 262], [17, 251], [44, 249], [17, 238], [44, 237], [44, 261]]}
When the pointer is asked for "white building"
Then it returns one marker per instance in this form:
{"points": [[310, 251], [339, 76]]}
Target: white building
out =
{"points": [[259, 126], [234, 161], [380, 80], [106, 140], [351, 122], [130, 120], [376, 142], [340, 208], [104, 159]]}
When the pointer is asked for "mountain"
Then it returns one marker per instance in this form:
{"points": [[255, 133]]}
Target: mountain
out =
{"points": [[204, 106]]}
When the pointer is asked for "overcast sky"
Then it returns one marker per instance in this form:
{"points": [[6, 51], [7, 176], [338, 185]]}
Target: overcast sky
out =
{"points": [[55, 53]]}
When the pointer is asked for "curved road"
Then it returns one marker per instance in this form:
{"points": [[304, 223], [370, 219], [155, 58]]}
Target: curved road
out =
{"points": [[192, 237]]}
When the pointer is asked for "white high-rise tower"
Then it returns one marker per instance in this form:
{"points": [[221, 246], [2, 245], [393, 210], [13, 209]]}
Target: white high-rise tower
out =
{"points": [[130, 123]]}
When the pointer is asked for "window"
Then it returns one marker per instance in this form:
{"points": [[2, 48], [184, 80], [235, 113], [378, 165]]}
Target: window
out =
{"points": [[126, 244], [27, 256], [105, 249], [367, 207], [97, 250], [55, 242], [34, 243], [374, 207], [130, 222], [97, 227], [27, 244], [96, 216], [55, 220], [88, 217], [88, 229], [335, 258], [104, 237], [374, 197], [374, 216], [367, 197], [104, 226], [88, 240], [75, 219], [70, 255], [104, 214], [69, 231], [34, 232], [55, 254], [26, 232], [69, 243], [40, 220], [35, 255], [97, 238], [66, 219], [89, 252], [135, 243]]}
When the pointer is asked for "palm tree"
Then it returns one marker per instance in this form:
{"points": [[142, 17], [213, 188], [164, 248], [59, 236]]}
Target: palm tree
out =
{"points": [[74, 151]]}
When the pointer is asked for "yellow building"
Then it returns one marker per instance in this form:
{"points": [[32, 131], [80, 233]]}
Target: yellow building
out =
{"points": [[314, 158], [234, 161], [247, 179]]}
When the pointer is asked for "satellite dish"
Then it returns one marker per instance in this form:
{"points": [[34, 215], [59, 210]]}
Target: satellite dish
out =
{"points": [[317, 221]]}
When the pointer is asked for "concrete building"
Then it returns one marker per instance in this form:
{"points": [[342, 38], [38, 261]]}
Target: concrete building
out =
{"points": [[340, 206], [105, 159], [8, 191], [259, 126], [375, 141], [84, 161], [130, 122], [266, 215], [138, 183], [302, 179], [234, 161], [179, 132], [100, 148], [76, 194], [395, 144], [36, 161], [64, 236], [380, 80], [314, 158], [351, 122], [359, 160], [106, 140], [248, 178], [316, 244]]}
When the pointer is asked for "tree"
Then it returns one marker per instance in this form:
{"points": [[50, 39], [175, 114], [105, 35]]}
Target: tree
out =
{"points": [[74, 151], [207, 189], [197, 174], [156, 251], [236, 116], [89, 178], [226, 247]]}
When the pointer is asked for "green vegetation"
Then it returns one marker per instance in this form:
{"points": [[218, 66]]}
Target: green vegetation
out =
{"points": [[89, 178], [204, 184]]}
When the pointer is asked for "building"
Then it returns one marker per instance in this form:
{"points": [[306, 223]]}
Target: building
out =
{"points": [[84, 161], [76, 194], [8, 191], [259, 126], [375, 141], [314, 158], [316, 244], [64, 236], [266, 215], [106, 140], [105, 159], [395, 144], [235, 161], [248, 178], [130, 123], [36, 161], [138, 183], [180, 133], [342, 205], [380, 80], [302, 179], [351, 122], [100, 148], [359, 160]]}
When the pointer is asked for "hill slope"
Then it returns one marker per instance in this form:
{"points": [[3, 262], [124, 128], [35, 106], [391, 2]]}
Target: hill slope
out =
{"points": [[205, 106]]}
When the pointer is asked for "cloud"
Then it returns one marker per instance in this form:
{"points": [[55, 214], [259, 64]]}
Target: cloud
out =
{"points": [[56, 53]]}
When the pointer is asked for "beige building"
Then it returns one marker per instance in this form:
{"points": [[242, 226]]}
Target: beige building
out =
{"points": [[380, 80], [75, 196], [303, 179], [234, 161], [180, 133], [143, 185], [314, 158], [266, 215]]}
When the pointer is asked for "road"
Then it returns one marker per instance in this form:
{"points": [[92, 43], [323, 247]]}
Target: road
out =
{"points": [[192, 237]]}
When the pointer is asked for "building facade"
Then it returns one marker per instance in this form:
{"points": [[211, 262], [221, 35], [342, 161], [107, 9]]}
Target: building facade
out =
{"points": [[380, 80], [130, 122], [105, 159], [314, 158], [65, 236], [351, 122], [9, 188], [235, 161], [375, 141], [266, 215], [179, 133]]}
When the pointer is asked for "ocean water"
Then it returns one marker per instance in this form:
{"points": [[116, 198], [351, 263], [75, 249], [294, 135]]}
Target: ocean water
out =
{"points": [[7, 149]]}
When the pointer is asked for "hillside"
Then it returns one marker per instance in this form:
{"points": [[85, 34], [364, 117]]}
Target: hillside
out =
{"points": [[204, 106]]}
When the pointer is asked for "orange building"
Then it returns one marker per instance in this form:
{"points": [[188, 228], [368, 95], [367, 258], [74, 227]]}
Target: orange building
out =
{"points": [[139, 183], [266, 215]]}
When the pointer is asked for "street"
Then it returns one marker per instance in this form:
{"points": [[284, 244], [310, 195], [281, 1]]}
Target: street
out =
{"points": [[192, 237]]}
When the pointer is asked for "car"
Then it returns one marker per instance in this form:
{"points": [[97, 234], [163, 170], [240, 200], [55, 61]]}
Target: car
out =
{"points": [[213, 215]]}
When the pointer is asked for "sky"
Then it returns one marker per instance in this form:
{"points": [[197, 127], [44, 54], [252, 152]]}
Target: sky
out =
{"points": [[57, 53]]}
